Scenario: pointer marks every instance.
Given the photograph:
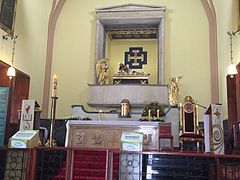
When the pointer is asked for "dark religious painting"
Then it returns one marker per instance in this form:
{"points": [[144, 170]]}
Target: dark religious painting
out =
{"points": [[7, 15]]}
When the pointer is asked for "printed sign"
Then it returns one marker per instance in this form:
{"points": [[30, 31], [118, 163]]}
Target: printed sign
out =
{"points": [[4, 95], [132, 141], [24, 139]]}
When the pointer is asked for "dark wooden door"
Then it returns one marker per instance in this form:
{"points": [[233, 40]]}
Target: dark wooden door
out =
{"points": [[19, 90], [233, 100]]}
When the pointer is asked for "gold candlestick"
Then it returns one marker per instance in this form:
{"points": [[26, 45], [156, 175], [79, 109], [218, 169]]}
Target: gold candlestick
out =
{"points": [[149, 114], [100, 115], [51, 142]]}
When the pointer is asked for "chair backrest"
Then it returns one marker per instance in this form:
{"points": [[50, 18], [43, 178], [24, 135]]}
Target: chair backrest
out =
{"points": [[188, 116], [165, 129]]}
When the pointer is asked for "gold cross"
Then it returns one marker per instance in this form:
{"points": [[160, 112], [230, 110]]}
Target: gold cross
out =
{"points": [[135, 57]]}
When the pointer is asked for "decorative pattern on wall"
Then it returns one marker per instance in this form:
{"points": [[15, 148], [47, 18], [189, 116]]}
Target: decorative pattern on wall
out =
{"points": [[137, 33], [135, 57]]}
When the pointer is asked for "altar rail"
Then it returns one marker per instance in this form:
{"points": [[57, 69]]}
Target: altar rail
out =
{"points": [[69, 163]]}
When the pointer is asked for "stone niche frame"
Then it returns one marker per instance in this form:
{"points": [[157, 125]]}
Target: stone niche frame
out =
{"points": [[131, 16]]}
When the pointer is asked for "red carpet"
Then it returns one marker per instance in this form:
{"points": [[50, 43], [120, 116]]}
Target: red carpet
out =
{"points": [[89, 165]]}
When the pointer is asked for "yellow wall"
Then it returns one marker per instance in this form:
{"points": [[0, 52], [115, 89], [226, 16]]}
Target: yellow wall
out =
{"points": [[227, 14], [31, 28], [186, 47], [117, 54]]}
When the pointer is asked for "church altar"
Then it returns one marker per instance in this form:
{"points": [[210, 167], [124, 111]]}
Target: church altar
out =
{"points": [[107, 134], [172, 116]]}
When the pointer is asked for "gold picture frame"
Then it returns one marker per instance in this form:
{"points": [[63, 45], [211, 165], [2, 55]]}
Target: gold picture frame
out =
{"points": [[7, 15]]}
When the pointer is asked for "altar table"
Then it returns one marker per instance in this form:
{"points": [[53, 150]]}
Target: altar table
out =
{"points": [[107, 134]]}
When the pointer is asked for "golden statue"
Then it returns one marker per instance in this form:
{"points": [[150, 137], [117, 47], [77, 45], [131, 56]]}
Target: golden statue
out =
{"points": [[173, 90], [102, 71]]}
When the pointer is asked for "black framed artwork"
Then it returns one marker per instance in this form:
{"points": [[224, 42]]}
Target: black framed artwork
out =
{"points": [[7, 15]]}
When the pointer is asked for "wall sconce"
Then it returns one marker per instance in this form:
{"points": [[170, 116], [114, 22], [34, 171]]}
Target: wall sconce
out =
{"points": [[232, 70], [11, 70]]}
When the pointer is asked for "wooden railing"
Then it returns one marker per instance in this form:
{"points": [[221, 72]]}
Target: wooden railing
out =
{"points": [[71, 164]]}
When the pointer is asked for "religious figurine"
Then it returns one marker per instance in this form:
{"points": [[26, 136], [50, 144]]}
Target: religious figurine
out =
{"points": [[102, 71], [123, 68], [173, 89]]}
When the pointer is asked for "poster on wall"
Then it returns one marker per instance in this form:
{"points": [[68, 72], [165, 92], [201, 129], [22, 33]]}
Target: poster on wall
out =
{"points": [[4, 95]]}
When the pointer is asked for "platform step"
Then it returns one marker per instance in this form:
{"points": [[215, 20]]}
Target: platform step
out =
{"points": [[59, 177], [91, 153], [89, 172], [90, 165], [88, 158], [87, 178]]}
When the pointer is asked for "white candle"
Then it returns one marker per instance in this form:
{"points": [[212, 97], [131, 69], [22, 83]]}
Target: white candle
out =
{"points": [[158, 113], [55, 82]]}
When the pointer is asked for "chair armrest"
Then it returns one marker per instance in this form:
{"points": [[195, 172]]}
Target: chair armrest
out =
{"points": [[200, 130]]}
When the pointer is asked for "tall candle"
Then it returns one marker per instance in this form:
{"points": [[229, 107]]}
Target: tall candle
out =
{"points": [[149, 114], [158, 113], [55, 82]]}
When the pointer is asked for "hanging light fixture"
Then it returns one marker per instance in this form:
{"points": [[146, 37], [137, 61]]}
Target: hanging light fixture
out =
{"points": [[11, 70], [231, 68]]}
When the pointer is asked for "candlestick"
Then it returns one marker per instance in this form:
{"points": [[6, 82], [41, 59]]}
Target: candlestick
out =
{"points": [[158, 113], [100, 115], [149, 114], [51, 142], [181, 114], [55, 82]]}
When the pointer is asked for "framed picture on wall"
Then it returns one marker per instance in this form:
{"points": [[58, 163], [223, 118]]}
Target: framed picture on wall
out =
{"points": [[7, 15]]}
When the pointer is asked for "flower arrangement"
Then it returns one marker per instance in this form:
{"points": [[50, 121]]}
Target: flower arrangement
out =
{"points": [[78, 118]]}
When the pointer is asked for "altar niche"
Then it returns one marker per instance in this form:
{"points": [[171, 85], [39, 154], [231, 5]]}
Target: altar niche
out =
{"points": [[132, 17], [139, 56]]}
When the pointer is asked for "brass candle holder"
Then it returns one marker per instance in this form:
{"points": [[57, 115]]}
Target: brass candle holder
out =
{"points": [[51, 141]]}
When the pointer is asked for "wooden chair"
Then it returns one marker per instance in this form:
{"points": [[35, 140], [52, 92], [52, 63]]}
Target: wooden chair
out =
{"points": [[189, 130], [165, 132]]}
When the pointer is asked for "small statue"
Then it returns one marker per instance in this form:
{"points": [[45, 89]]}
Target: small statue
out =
{"points": [[173, 89], [123, 68], [102, 71]]}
